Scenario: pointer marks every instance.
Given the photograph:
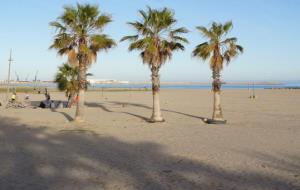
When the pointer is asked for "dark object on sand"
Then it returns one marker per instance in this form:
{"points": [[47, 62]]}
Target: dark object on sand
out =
{"points": [[212, 121], [42, 105]]}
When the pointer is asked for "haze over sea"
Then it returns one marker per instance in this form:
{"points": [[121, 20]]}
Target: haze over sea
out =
{"points": [[289, 84]]}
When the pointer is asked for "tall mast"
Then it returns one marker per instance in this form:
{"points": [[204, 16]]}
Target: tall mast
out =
{"points": [[10, 60], [35, 79]]}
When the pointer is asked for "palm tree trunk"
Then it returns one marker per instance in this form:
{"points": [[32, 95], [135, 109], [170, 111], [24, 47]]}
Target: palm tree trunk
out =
{"points": [[217, 112], [70, 100], [156, 112], [80, 109]]}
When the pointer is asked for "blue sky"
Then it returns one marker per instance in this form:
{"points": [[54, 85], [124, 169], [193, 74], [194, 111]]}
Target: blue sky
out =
{"points": [[267, 29]]}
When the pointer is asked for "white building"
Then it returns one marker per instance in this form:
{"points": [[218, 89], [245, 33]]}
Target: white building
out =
{"points": [[106, 81]]}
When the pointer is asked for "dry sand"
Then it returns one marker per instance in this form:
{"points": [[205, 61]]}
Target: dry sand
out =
{"points": [[117, 148]]}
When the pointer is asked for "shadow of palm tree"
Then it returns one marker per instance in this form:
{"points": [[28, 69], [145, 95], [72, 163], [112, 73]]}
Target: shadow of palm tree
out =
{"points": [[104, 108], [148, 107], [32, 158], [97, 105], [138, 116], [67, 116]]}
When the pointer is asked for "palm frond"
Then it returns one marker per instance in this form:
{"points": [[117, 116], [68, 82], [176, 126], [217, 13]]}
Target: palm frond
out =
{"points": [[141, 28], [229, 40], [101, 42], [102, 21], [179, 39], [227, 27], [138, 45], [143, 14], [203, 50], [62, 40], [69, 16], [130, 38], [240, 48], [72, 57], [180, 30], [58, 26], [205, 32]]}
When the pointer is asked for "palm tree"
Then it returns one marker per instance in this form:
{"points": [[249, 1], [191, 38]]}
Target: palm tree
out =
{"points": [[218, 49], [66, 79], [79, 36], [156, 38]]}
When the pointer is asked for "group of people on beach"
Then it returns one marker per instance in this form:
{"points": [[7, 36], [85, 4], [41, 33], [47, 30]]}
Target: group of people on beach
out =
{"points": [[47, 103]]}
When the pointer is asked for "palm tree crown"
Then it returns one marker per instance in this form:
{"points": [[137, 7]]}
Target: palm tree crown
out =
{"points": [[79, 33], [218, 49], [156, 38], [66, 79]]}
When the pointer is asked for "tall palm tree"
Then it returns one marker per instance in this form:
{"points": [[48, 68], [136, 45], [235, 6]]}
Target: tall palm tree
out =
{"points": [[218, 49], [79, 36], [66, 79], [156, 38]]}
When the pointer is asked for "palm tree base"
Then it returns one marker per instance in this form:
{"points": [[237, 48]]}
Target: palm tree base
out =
{"points": [[156, 119], [214, 121]]}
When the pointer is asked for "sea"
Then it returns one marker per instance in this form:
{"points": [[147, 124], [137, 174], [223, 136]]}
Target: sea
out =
{"points": [[176, 86]]}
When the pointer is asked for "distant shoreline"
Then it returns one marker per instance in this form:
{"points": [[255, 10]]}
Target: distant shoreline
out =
{"points": [[209, 83], [146, 86], [141, 83]]}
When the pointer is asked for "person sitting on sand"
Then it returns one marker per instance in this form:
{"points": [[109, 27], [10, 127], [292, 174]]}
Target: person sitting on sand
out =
{"points": [[52, 105], [46, 103], [13, 97]]}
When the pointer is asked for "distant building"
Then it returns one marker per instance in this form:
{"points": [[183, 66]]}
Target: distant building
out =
{"points": [[106, 81]]}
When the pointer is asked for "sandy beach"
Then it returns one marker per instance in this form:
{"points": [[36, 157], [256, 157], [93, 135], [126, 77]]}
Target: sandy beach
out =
{"points": [[259, 148]]}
